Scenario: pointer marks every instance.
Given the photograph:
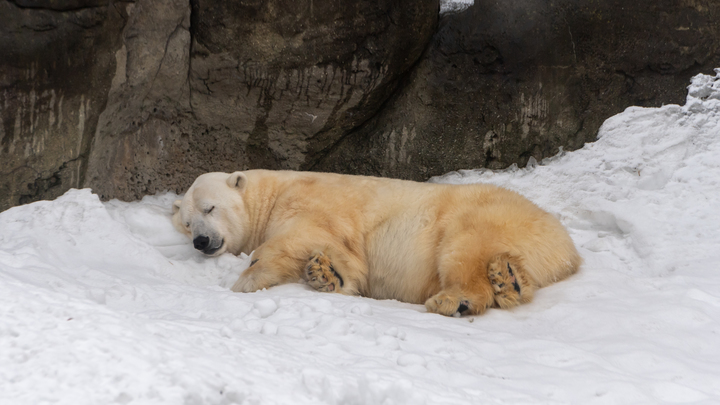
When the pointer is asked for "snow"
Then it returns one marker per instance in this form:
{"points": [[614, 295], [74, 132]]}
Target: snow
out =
{"points": [[104, 303], [455, 6]]}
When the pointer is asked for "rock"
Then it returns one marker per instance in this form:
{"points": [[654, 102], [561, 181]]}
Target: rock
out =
{"points": [[222, 86], [55, 72], [144, 135], [133, 98], [505, 81]]}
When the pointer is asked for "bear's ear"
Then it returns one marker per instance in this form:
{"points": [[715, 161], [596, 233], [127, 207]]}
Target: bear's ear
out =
{"points": [[176, 206], [237, 180]]}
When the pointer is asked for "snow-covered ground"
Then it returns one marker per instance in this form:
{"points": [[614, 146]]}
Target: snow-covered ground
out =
{"points": [[104, 303]]}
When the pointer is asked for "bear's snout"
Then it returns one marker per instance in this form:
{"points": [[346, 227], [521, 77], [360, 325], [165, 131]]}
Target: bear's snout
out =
{"points": [[201, 242], [207, 245]]}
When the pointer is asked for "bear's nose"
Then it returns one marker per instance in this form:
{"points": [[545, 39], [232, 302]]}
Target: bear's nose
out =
{"points": [[201, 242]]}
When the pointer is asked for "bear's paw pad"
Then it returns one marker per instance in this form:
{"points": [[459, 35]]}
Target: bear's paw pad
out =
{"points": [[509, 281], [321, 275]]}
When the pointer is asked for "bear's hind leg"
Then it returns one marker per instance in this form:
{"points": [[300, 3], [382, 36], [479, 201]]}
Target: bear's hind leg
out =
{"points": [[321, 275], [511, 283]]}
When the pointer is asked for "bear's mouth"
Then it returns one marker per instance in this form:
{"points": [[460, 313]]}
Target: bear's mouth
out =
{"points": [[210, 250]]}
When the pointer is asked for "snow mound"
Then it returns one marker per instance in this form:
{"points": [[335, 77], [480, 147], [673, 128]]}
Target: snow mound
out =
{"points": [[104, 303]]}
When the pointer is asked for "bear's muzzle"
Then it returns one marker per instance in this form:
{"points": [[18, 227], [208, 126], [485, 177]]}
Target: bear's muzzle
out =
{"points": [[202, 243]]}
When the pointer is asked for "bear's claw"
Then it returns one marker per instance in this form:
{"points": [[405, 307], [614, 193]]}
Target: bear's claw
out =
{"points": [[321, 275]]}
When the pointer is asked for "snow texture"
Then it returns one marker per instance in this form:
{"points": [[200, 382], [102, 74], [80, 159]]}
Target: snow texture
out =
{"points": [[104, 303], [454, 6]]}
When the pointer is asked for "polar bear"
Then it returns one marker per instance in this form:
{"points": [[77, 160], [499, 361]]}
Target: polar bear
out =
{"points": [[455, 248]]}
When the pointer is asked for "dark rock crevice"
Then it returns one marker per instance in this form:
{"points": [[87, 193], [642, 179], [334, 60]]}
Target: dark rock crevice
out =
{"points": [[60, 5], [52, 183]]}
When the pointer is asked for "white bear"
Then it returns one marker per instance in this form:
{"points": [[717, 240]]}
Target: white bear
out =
{"points": [[455, 248]]}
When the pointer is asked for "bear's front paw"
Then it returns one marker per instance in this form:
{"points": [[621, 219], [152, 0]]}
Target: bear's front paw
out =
{"points": [[510, 282], [449, 304], [321, 275]]}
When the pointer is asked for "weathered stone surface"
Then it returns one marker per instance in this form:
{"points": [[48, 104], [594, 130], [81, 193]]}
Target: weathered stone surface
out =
{"points": [[131, 98], [504, 81], [55, 71], [147, 122], [246, 84]]}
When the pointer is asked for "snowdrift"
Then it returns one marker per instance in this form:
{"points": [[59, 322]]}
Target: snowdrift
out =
{"points": [[104, 303]]}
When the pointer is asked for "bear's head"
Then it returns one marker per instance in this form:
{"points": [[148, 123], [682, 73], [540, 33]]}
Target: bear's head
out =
{"points": [[212, 213]]}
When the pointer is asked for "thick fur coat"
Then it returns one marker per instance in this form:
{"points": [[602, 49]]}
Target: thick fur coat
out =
{"points": [[455, 248]]}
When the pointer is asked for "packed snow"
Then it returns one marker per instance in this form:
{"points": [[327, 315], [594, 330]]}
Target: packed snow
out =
{"points": [[105, 303]]}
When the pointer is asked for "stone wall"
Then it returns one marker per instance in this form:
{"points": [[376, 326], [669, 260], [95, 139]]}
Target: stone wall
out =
{"points": [[223, 86], [131, 98], [506, 81], [55, 73]]}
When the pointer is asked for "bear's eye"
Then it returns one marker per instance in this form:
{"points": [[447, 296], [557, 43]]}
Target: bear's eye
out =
{"points": [[187, 224], [210, 209]]}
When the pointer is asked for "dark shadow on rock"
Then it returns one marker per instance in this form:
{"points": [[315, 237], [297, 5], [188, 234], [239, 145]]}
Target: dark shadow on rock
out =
{"points": [[58, 59]]}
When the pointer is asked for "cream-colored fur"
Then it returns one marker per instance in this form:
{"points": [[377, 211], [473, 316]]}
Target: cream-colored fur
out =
{"points": [[453, 247]]}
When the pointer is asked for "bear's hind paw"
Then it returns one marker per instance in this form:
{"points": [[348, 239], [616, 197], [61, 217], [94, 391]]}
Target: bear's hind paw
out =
{"points": [[321, 275], [510, 282]]}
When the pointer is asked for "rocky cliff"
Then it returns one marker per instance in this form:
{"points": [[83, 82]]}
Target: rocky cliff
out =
{"points": [[132, 98], [506, 81]]}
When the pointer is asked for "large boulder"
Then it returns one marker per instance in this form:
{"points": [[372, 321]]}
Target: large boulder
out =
{"points": [[55, 72], [506, 81], [214, 85]]}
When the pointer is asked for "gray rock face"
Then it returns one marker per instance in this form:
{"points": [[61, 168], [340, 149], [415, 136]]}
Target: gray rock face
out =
{"points": [[131, 98], [147, 123], [236, 85], [506, 81], [55, 73]]}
